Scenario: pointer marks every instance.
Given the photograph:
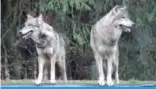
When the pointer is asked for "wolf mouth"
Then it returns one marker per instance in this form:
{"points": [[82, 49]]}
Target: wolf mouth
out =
{"points": [[27, 35], [125, 28]]}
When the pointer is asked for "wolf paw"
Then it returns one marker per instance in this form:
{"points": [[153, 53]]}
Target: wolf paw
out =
{"points": [[53, 81], [110, 83], [65, 81], [38, 82], [117, 82], [101, 82]]}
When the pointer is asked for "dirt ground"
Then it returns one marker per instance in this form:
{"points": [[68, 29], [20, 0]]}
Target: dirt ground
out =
{"points": [[76, 83]]}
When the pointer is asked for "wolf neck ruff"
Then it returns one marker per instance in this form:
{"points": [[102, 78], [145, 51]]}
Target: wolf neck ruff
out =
{"points": [[43, 43]]}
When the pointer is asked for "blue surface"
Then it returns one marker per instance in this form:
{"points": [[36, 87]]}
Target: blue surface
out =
{"points": [[68, 87]]}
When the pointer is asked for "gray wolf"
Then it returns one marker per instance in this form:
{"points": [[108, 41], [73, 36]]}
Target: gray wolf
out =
{"points": [[104, 39], [49, 44]]}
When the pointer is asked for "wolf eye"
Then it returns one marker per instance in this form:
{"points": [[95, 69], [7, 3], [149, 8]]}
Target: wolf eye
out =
{"points": [[30, 25], [36, 25]]}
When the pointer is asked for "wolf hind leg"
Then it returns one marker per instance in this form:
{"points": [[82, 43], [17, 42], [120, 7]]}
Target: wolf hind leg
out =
{"points": [[116, 70], [110, 71], [62, 66]]}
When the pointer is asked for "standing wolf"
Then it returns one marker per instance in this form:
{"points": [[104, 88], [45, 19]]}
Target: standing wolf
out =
{"points": [[49, 45], [104, 39]]}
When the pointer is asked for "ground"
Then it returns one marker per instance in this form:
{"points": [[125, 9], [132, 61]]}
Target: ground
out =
{"points": [[76, 83]]}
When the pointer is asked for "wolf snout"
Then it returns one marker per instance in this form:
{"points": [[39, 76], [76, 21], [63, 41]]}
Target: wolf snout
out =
{"points": [[133, 24], [20, 33]]}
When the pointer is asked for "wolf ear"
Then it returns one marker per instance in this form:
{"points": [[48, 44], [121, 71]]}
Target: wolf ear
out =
{"points": [[40, 19], [124, 7], [115, 9], [29, 16]]}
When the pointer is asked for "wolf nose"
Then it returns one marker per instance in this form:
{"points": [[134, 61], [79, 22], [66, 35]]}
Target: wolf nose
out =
{"points": [[20, 33], [133, 26], [133, 23]]}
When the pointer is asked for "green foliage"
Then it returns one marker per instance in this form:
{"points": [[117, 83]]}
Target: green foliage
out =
{"points": [[65, 6], [143, 42]]}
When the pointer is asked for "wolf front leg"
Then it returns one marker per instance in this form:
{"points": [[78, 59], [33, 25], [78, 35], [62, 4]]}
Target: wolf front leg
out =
{"points": [[41, 62], [109, 72], [52, 71], [99, 63]]}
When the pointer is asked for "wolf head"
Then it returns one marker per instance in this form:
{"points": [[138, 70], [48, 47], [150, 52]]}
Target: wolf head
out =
{"points": [[31, 27], [121, 19]]}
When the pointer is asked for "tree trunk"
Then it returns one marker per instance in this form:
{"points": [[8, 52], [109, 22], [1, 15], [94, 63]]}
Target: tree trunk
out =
{"points": [[6, 69]]}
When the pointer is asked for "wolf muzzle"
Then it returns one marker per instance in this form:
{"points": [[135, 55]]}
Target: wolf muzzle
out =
{"points": [[26, 35]]}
